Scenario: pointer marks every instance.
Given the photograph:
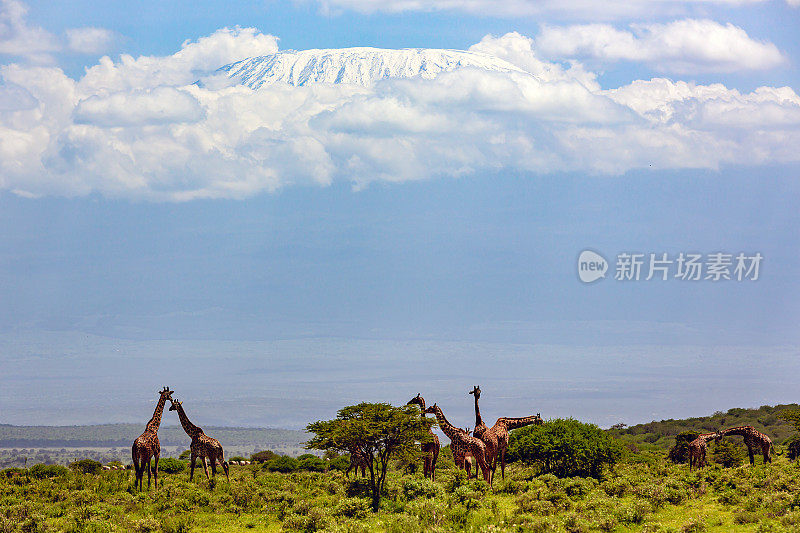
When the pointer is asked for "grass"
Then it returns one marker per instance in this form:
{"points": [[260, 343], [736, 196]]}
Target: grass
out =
{"points": [[643, 493]]}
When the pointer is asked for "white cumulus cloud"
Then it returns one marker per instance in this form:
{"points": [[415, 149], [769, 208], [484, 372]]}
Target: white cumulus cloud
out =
{"points": [[18, 38], [89, 40], [141, 128], [21, 39], [681, 46]]}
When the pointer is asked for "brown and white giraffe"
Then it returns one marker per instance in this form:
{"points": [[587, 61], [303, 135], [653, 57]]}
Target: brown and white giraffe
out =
{"points": [[698, 448], [496, 437], [202, 445], [754, 440], [358, 460], [146, 445], [462, 444], [430, 448]]}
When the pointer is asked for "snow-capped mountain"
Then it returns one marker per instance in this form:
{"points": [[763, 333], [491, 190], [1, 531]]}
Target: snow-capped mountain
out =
{"points": [[359, 66]]}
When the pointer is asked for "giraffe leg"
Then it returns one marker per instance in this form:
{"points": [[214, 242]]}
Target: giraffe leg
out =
{"points": [[205, 465], [148, 473], [224, 465], [433, 463], [751, 455], [502, 464], [155, 471], [191, 466], [213, 461]]}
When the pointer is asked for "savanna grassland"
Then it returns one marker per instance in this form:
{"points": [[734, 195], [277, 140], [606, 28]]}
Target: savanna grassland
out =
{"points": [[643, 491]]}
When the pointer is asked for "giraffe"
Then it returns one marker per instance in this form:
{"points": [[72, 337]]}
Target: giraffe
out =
{"points": [[358, 460], [431, 448], [146, 445], [462, 444], [202, 445], [698, 447], [754, 440], [496, 437]]}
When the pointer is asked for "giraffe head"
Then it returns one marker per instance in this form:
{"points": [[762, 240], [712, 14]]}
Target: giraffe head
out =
{"points": [[468, 430], [537, 420], [417, 400], [476, 390], [431, 410], [166, 393], [175, 405]]}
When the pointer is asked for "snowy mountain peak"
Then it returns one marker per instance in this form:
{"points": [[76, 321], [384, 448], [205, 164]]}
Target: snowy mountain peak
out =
{"points": [[359, 66]]}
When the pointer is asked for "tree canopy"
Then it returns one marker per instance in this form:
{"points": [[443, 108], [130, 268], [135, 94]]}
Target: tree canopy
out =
{"points": [[377, 431], [565, 447]]}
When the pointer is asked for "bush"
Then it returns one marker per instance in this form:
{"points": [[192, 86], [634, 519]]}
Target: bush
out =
{"points": [[171, 465], [264, 456], [311, 463], [284, 464], [566, 448], [339, 463], [41, 471], [728, 454], [680, 452], [87, 466], [12, 472], [793, 448], [417, 487]]}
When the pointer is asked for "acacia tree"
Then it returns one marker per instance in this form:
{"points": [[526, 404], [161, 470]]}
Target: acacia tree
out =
{"points": [[378, 431]]}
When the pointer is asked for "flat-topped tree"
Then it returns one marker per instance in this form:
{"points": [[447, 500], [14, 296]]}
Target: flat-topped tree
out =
{"points": [[378, 431], [202, 445], [147, 445]]}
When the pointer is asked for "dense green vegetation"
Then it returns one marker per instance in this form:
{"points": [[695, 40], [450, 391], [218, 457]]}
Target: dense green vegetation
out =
{"points": [[644, 492], [565, 448], [661, 435], [627, 489]]}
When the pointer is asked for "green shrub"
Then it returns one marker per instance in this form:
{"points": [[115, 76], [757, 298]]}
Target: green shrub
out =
{"points": [[566, 448], [418, 487], [340, 463], [263, 456], [41, 471], [87, 466], [283, 464], [680, 452], [353, 508], [311, 463], [793, 448], [171, 465], [11, 472], [728, 454]]}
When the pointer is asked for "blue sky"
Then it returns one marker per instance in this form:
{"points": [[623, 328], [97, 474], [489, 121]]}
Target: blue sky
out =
{"points": [[415, 236]]}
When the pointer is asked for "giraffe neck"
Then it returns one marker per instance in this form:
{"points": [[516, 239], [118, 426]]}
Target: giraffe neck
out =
{"points": [[452, 432], [478, 420], [155, 422], [188, 427], [741, 430], [514, 423]]}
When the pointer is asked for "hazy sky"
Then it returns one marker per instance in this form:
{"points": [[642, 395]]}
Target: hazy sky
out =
{"points": [[275, 254]]}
